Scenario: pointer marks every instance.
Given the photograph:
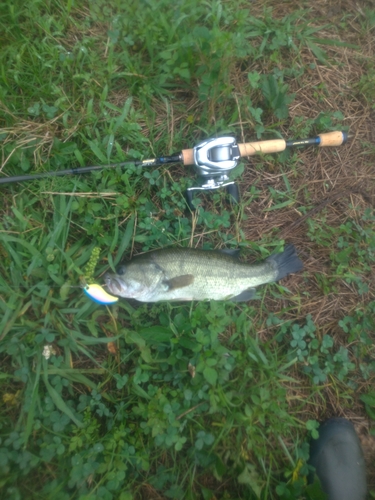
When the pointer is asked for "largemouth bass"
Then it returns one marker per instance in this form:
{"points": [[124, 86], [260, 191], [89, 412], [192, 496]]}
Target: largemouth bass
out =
{"points": [[191, 274]]}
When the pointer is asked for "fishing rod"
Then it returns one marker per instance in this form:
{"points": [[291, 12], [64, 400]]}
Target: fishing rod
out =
{"points": [[212, 159]]}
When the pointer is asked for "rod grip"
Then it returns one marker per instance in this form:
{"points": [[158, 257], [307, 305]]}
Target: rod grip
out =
{"points": [[272, 146], [335, 138], [188, 156]]}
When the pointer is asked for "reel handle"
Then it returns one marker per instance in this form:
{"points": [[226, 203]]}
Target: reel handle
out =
{"points": [[231, 190], [233, 193]]}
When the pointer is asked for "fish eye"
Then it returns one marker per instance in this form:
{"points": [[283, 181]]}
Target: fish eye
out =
{"points": [[121, 270]]}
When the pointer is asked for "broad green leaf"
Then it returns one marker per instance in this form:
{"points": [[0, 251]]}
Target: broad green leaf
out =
{"points": [[368, 399], [128, 233], [57, 399], [134, 338], [210, 374], [280, 205], [250, 477], [97, 152], [34, 400], [121, 118], [156, 334]]}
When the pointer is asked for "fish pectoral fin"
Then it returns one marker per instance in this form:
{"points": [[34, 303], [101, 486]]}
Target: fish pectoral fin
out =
{"points": [[179, 282], [244, 296]]}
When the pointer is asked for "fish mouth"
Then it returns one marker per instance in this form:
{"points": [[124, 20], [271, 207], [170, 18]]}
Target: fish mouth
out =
{"points": [[114, 284]]}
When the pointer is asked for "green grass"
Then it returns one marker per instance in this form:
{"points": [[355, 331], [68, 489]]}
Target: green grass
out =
{"points": [[202, 400]]}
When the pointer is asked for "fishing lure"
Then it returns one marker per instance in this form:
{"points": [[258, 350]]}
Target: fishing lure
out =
{"points": [[99, 295]]}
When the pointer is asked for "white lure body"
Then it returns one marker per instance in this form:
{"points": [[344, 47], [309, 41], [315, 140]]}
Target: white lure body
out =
{"points": [[99, 295]]}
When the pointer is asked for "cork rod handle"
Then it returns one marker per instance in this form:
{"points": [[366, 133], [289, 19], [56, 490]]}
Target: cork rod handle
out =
{"points": [[335, 138], [188, 156], [272, 146]]}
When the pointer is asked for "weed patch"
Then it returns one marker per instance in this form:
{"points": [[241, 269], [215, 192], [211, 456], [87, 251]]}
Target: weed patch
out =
{"points": [[196, 400]]}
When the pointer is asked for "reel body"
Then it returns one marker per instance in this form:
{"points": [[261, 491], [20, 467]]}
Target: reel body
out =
{"points": [[213, 161]]}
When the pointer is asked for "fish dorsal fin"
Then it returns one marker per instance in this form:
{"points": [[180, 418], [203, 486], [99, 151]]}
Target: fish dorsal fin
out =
{"points": [[233, 252], [180, 281]]}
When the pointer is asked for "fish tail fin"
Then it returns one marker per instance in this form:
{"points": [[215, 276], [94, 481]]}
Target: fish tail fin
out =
{"points": [[287, 262]]}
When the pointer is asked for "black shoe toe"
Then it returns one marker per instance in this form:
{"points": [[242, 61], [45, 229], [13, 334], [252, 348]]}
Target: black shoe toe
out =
{"points": [[338, 460]]}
